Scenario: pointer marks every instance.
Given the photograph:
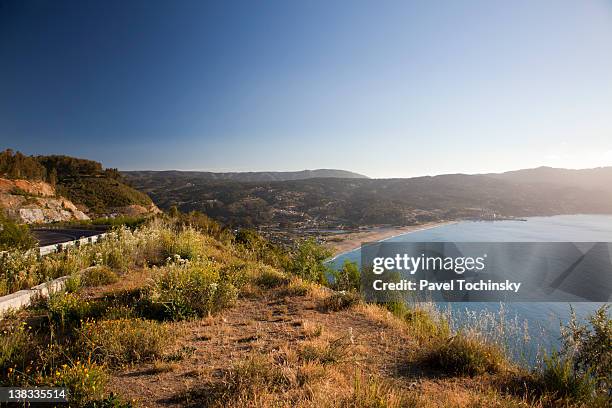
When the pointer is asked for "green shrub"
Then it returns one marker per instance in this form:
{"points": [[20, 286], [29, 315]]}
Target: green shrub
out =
{"points": [[200, 222], [98, 276], [271, 278], [72, 284], [124, 220], [464, 354], [67, 308], [582, 370], [85, 382], [191, 290], [14, 236], [255, 247], [15, 348], [348, 278], [186, 244], [124, 341], [308, 261], [559, 378], [590, 348]]}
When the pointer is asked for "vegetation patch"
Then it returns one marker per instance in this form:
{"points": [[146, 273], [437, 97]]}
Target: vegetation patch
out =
{"points": [[347, 278], [308, 261], [14, 236], [70, 309], [256, 373], [85, 381], [98, 276], [580, 371], [338, 301], [331, 352], [187, 244], [271, 278], [424, 325], [189, 290], [16, 346], [464, 354], [370, 391], [125, 341]]}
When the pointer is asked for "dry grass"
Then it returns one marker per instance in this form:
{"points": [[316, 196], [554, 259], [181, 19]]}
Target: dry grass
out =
{"points": [[338, 301], [284, 342], [463, 354]]}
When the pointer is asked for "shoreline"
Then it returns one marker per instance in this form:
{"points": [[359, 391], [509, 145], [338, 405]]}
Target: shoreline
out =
{"points": [[353, 240]]}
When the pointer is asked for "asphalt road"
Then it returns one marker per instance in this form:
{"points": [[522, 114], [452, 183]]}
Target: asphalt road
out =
{"points": [[57, 236]]}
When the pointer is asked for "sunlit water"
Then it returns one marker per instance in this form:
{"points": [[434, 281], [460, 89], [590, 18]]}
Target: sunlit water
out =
{"points": [[542, 319]]}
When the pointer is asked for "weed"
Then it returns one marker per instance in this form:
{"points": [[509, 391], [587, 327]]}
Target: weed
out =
{"points": [[326, 352], [559, 378], [16, 345], [72, 284], [123, 341], [464, 354], [84, 380], [371, 392], [98, 276], [347, 278], [68, 309], [271, 278], [191, 290], [340, 301], [297, 287], [423, 324], [256, 373]]}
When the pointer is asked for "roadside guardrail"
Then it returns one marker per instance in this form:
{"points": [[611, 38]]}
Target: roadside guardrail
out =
{"points": [[24, 298]]}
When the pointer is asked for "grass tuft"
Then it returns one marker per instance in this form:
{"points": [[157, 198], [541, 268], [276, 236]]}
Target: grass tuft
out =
{"points": [[464, 354], [340, 301], [98, 276], [123, 341]]}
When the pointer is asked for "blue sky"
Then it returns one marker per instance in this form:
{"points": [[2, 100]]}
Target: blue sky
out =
{"points": [[388, 89]]}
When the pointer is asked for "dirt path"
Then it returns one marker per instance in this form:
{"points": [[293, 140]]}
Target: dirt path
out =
{"points": [[264, 324]]}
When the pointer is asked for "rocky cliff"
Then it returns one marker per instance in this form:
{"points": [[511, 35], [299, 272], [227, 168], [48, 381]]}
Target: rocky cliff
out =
{"points": [[36, 202]]}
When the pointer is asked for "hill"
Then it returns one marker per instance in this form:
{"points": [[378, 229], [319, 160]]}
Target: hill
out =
{"points": [[35, 202], [155, 178], [332, 202], [79, 185], [597, 178], [226, 320]]}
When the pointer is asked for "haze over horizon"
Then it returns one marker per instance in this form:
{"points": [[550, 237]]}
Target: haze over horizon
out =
{"points": [[403, 90], [366, 175]]}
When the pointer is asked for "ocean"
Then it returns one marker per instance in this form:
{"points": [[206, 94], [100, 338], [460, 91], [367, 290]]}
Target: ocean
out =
{"points": [[540, 320]]}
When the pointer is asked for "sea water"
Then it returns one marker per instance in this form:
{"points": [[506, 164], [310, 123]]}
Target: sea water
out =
{"points": [[540, 320]]}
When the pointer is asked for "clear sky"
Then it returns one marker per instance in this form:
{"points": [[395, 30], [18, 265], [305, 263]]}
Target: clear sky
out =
{"points": [[384, 88]]}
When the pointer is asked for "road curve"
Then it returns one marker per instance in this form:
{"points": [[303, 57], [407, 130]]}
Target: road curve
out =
{"points": [[57, 236]]}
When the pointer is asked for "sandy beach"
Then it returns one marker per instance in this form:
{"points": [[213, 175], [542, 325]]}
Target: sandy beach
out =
{"points": [[347, 242]]}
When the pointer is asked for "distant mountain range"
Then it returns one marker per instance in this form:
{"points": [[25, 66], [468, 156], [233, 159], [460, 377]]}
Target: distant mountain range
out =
{"points": [[240, 176], [246, 199], [597, 178]]}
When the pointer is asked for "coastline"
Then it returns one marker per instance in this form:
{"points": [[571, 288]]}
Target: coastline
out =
{"points": [[353, 240]]}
